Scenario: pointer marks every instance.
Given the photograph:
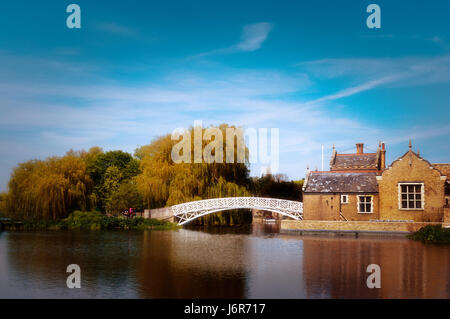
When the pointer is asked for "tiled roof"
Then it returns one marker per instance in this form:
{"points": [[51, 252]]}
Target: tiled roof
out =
{"points": [[332, 182], [352, 161]]}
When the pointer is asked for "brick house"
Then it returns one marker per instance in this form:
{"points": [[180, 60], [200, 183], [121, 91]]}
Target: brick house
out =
{"points": [[359, 187]]}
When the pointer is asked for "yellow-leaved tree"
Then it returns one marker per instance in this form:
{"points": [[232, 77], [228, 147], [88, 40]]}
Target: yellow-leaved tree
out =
{"points": [[49, 189], [163, 182]]}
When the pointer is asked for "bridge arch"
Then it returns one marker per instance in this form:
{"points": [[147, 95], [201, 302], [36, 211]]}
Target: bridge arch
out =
{"points": [[187, 212]]}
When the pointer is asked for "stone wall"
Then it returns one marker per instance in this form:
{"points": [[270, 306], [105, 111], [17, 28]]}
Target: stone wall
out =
{"points": [[164, 213], [411, 168], [359, 226]]}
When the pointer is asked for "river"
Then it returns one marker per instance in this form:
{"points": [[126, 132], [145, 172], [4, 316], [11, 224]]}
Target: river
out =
{"points": [[252, 262]]}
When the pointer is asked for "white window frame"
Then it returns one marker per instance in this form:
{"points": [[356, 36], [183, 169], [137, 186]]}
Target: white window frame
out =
{"points": [[342, 199], [422, 197], [371, 204]]}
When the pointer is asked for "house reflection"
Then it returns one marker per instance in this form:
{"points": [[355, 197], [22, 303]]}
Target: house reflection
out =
{"points": [[337, 268]]}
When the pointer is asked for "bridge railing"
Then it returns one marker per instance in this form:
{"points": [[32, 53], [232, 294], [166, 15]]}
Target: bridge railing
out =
{"points": [[278, 205]]}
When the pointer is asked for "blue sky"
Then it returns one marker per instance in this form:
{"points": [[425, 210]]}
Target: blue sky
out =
{"points": [[139, 69]]}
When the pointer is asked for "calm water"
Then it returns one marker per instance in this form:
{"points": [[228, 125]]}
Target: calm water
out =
{"points": [[256, 262]]}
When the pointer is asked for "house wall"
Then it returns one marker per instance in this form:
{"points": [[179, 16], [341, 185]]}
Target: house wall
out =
{"points": [[321, 206], [447, 216], [350, 210], [326, 207], [411, 168]]}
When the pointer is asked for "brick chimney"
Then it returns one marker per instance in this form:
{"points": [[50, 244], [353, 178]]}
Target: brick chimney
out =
{"points": [[359, 148], [383, 156]]}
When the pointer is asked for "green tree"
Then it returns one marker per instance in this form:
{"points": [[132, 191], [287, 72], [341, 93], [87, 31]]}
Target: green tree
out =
{"points": [[126, 196], [277, 186], [108, 170]]}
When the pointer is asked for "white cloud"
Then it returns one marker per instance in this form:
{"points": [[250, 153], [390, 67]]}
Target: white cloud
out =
{"points": [[408, 71], [252, 38], [357, 89]]}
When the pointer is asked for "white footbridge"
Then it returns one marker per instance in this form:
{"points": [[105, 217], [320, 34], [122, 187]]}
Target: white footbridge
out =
{"points": [[187, 212]]}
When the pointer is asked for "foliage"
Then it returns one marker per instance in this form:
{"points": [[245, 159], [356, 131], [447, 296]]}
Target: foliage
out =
{"points": [[48, 189], [3, 198], [96, 221], [277, 186], [165, 183], [432, 234], [108, 170], [113, 181], [126, 196]]}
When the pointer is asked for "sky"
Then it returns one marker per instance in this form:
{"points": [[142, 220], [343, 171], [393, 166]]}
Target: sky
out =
{"points": [[140, 69]]}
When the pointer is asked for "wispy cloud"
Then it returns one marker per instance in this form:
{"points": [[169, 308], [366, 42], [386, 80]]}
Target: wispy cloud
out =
{"points": [[440, 42], [356, 89], [419, 133], [115, 28], [406, 71], [252, 38], [372, 73]]}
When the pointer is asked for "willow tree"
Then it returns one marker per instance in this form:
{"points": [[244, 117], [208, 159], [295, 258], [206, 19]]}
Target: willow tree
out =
{"points": [[163, 182], [49, 189]]}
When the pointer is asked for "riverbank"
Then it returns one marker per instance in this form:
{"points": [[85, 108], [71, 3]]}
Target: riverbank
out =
{"points": [[91, 221], [351, 228]]}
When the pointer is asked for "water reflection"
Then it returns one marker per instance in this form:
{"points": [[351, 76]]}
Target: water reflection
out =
{"points": [[191, 264], [255, 262], [336, 268]]}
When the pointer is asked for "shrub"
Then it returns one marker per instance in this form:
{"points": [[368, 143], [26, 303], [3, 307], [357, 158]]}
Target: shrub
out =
{"points": [[95, 221], [432, 234]]}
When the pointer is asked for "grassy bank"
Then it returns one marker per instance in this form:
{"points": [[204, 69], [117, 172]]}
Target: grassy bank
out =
{"points": [[93, 221], [432, 234]]}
